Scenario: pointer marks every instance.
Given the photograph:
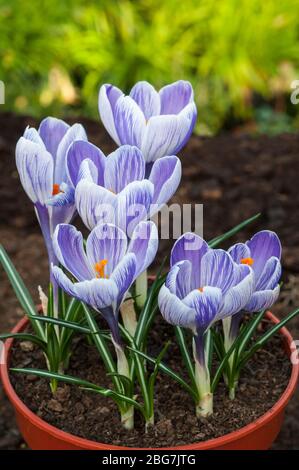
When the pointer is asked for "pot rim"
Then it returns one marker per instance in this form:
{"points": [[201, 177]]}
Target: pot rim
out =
{"points": [[204, 445]]}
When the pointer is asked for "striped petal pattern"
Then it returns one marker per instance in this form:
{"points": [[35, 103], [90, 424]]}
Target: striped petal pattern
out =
{"points": [[158, 123]]}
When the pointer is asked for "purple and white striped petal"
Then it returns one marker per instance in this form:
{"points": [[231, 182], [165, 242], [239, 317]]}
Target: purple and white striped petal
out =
{"points": [[262, 246], [123, 166], [262, 300], [32, 134], [99, 293], [147, 98], [52, 131], [175, 97], [239, 251], [129, 121], [178, 279], [106, 242], [270, 275], [133, 204], [189, 113], [69, 249], [163, 136], [94, 204], [217, 270], [108, 97], [166, 176], [174, 311], [35, 167], [238, 296], [144, 244], [62, 215], [63, 281], [206, 303], [124, 275], [190, 247], [76, 132], [87, 171], [80, 150]]}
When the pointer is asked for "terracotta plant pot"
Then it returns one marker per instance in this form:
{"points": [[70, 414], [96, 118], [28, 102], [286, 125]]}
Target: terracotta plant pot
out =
{"points": [[258, 435]]}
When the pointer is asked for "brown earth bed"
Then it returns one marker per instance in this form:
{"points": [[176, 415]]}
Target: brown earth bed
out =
{"points": [[90, 416], [233, 175]]}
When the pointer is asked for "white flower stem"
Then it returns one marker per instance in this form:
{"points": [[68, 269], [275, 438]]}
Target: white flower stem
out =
{"points": [[149, 423], [127, 416], [204, 407], [141, 289]]}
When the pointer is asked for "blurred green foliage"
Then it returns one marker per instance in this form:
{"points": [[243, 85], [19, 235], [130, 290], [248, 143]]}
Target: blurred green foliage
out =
{"points": [[54, 54]]}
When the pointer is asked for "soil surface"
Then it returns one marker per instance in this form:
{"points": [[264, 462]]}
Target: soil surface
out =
{"points": [[90, 416], [233, 176]]}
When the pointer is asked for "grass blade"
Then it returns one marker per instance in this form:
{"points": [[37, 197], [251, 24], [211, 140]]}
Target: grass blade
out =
{"points": [[24, 337], [185, 354], [64, 323]]}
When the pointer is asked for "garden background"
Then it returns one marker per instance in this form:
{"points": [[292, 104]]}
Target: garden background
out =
{"points": [[241, 57]]}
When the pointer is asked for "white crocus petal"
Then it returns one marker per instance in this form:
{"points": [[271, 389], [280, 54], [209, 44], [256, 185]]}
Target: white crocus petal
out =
{"points": [[133, 205], [262, 300], [147, 98], [69, 249], [32, 134], [52, 131], [108, 96], [94, 203], [144, 244], [178, 279], [237, 297], [174, 311], [35, 167], [63, 281], [99, 293], [124, 275], [88, 171], [76, 132], [163, 135], [129, 121], [166, 176]]}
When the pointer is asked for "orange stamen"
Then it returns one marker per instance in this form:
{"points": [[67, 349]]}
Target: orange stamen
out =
{"points": [[100, 269], [56, 189], [200, 289], [248, 261]]}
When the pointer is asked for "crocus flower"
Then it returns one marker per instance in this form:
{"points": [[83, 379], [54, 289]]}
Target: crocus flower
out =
{"points": [[106, 270], [203, 286], [262, 252], [158, 123], [114, 189], [41, 159]]}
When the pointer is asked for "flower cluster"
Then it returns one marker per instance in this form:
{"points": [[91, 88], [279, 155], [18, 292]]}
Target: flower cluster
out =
{"points": [[207, 290]]}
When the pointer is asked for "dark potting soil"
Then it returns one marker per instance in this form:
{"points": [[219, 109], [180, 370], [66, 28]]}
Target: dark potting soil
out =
{"points": [[93, 417], [234, 175]]}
